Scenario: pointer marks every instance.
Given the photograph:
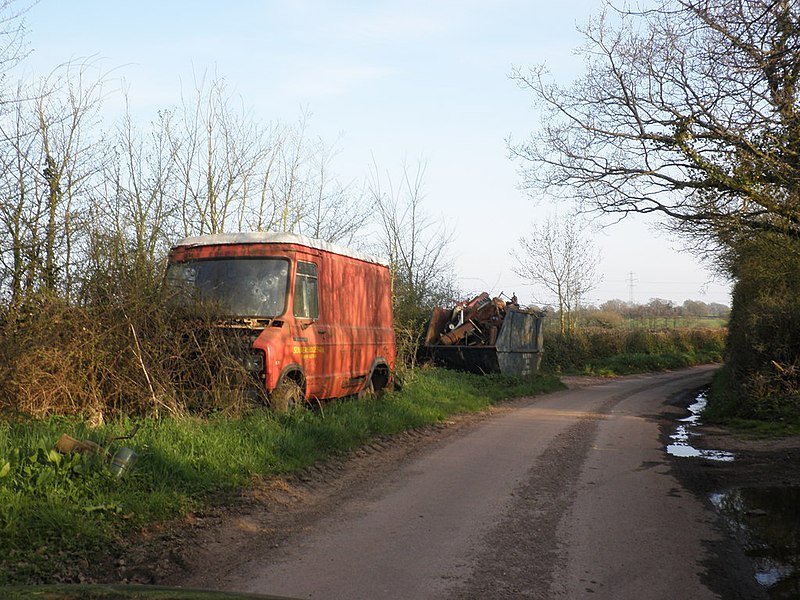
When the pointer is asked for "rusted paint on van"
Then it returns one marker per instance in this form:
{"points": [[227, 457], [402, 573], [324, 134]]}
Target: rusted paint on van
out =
{"points": [[321, 313]]}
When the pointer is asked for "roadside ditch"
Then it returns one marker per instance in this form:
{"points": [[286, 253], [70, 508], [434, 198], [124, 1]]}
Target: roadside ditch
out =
{"points": [[753, 484]]}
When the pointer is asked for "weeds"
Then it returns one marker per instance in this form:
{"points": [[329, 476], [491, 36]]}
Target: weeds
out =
{"points": [[771, 411]]}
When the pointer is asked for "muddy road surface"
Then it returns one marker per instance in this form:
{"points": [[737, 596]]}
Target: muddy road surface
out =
{"points": [[569, 495]]}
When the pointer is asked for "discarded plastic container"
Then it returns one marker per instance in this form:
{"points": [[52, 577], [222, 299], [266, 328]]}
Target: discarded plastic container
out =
{"points": [[123, 461]]}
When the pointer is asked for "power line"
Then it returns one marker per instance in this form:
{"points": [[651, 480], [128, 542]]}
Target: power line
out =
{"points": [[631, 283]]}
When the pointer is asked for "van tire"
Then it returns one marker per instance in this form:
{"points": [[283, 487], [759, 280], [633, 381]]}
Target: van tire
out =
{"points": [[368, 391], [375, 385], [287, 396]]}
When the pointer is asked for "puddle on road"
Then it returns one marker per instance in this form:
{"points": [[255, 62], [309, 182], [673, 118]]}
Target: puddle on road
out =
{"points": [[766, 523], [681, 445]]}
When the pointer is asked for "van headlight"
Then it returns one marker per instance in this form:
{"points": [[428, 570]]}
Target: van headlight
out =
{"points": [[254, 361]]}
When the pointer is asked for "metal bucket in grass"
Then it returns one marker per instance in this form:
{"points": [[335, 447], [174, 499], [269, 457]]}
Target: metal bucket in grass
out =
{"points": [[123, 461]]}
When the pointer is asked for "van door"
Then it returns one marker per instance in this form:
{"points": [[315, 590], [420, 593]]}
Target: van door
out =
{"points": [[313, 340]]}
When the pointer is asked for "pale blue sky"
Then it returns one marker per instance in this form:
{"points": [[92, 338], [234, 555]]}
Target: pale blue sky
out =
{"points": [[417, 80]]}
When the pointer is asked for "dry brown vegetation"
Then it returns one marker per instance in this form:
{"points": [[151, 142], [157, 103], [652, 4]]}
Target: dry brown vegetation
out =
{"points": [[140, 355]]}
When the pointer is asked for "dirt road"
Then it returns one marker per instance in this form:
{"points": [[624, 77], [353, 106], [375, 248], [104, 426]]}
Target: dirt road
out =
{"points": [[568, 495]]}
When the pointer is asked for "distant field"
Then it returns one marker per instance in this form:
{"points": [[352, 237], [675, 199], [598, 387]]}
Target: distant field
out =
{"points": [[677, 322], [551, 323], [623, 350]]}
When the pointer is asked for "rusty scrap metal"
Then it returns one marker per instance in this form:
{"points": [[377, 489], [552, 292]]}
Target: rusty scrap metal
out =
{"points": [[66, 443], [473, 322], [486, 335]]}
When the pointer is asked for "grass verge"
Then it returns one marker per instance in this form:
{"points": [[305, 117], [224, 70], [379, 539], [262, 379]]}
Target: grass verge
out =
{"points": [[629, 364], [771, 416], [58, 510]]}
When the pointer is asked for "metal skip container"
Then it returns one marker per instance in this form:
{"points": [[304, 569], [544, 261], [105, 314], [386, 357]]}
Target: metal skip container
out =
{"points": [[486, 335]]}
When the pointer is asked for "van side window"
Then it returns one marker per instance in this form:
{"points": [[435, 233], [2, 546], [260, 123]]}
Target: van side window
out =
{"points": [[306, 299]]}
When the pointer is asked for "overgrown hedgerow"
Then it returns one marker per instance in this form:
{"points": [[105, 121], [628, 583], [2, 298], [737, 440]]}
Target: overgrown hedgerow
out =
{"points": [[128, 357], [762, 380], [620, 351]]}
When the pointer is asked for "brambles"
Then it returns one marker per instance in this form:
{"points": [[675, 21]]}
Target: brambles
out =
{"points": [[138, 355]]}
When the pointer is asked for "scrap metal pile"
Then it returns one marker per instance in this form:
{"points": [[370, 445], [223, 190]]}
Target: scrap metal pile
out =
{"points": [[486, 335], [473, 322]]}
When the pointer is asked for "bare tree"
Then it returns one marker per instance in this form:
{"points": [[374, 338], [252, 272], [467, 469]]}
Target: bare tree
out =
{"points": [[335, 212], [415, 245], [688, 109], [65, 105], [219, 154], [19, 207], [289, 187], [306, 196], [19, 250], [230, 170], [48, 152], [135, 210], [556, 255], [12, 38]]}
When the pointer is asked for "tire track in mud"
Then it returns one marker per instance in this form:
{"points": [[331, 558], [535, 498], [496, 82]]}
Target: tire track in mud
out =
{"points": [[521, 553]]}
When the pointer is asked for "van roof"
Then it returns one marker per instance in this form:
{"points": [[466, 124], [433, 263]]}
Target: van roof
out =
{"points": [[270, 237]]}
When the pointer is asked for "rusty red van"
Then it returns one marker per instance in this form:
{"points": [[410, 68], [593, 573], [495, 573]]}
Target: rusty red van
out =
{"points": [[318, 316]]}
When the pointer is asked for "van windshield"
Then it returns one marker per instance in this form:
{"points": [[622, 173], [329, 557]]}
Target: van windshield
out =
{"points": [[243, 287]]}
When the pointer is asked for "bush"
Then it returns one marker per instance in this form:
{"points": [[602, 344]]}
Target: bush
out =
{"points": [[626, 351], [605, 319], [133, 356], [764, 331]]}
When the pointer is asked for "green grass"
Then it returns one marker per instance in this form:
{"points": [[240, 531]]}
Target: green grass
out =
{"points": [[763, 429], [628, 364], [57, 509], [677, 322]]}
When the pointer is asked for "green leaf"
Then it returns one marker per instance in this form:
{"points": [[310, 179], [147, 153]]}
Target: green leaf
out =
{"points": [[54, 457], [113, 508], [5, 470], [43, 478]]}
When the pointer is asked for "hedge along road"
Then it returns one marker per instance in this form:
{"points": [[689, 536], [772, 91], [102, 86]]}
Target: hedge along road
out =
{"points": [[568, 495]]}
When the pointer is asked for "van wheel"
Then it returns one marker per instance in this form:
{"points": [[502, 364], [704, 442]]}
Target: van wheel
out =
{"points": [[287, 396], [377, 383], [368, 391], [374, 388]]}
